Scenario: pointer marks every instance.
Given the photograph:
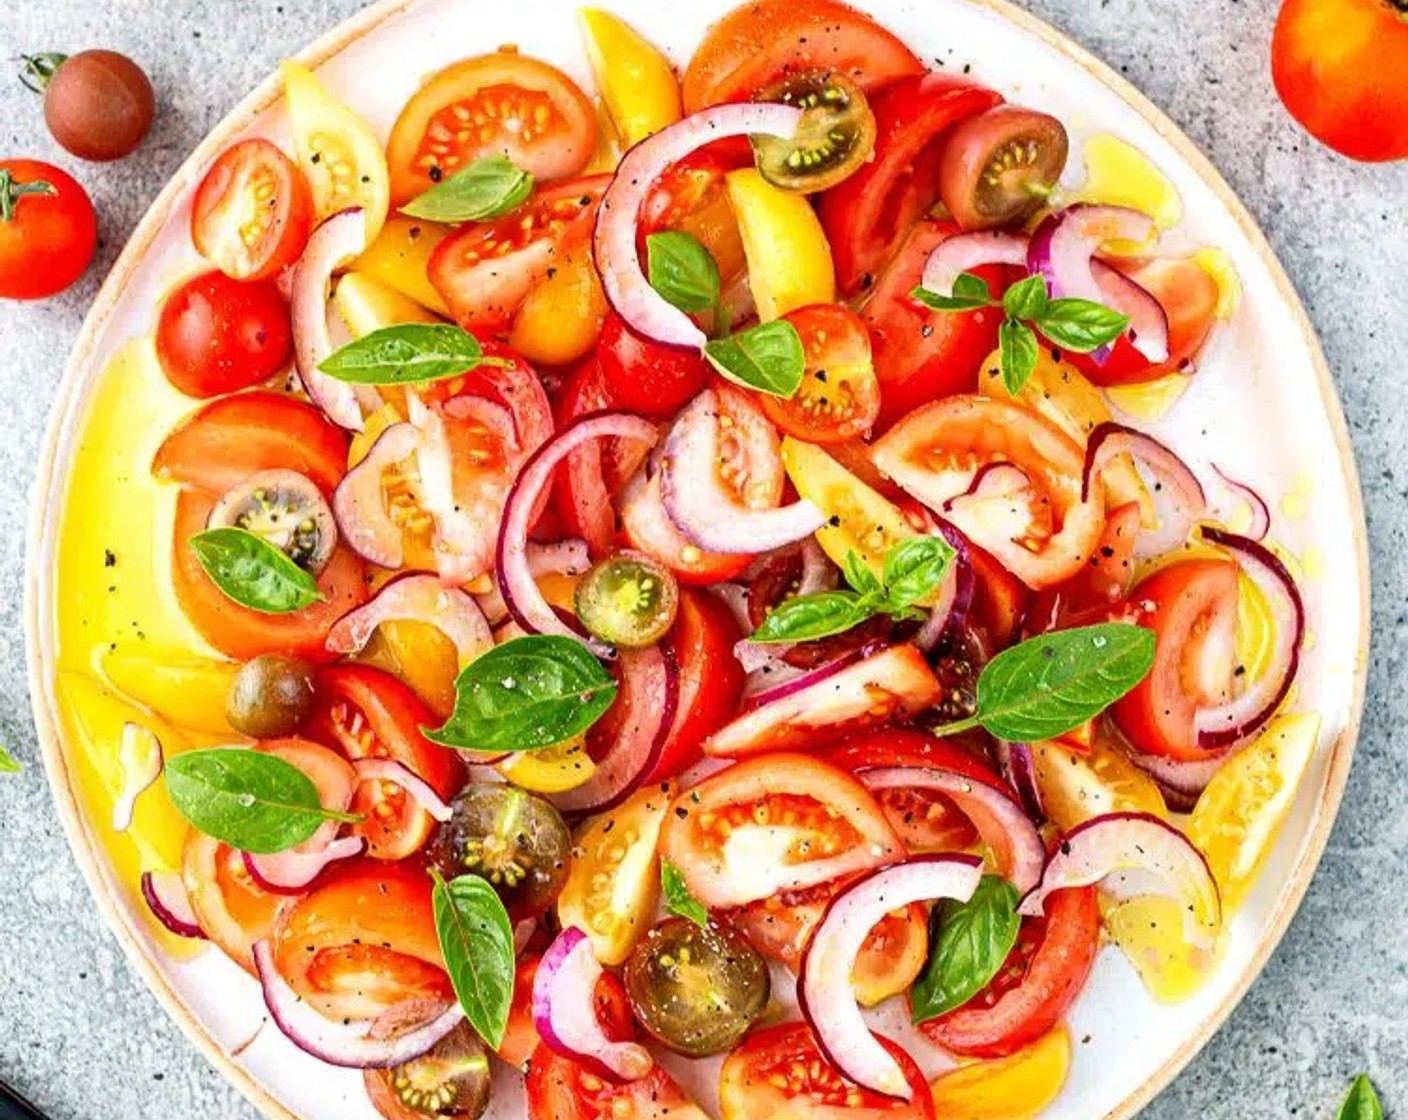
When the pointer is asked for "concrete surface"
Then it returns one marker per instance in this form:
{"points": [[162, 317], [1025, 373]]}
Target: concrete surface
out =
{"points": [[80, 1034]]}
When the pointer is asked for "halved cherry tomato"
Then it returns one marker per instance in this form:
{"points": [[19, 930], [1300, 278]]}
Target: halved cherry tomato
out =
{"points": [[781, 1072], [252, 212], [485, 270], [363, 941], [494, 104], [370, 714], [721, 834], [216, 335], [232, 910], [757, 43], [839, 398], [1041, 978], [48, 230], [921, 355], [1192, 607], [691, 197], [645, 377], [868, 215], [711, 679], [999, 167]]}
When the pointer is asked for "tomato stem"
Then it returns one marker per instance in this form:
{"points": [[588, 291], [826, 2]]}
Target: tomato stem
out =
{"points": [[39, 69], [958, 727], [11, 192]]}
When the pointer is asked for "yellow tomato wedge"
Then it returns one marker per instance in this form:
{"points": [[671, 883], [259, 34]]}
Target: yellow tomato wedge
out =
{"points": [[1240, 814], [372, 429], [1076, 787], [184, 689], [614, 884], [1119, 174], [636, 81], [555, 770], [1150, 932], [1151, 400], [1017, 1087], [1217, 264], [422, 657], [343, 160], [398, 259], [789, 258], [561, 319], [366, 305]]}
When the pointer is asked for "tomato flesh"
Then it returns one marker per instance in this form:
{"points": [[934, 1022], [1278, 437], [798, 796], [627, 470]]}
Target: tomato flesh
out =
{"points": [[253, 212], [216, 335], [999, 167], [839, 398], [645, 377]]}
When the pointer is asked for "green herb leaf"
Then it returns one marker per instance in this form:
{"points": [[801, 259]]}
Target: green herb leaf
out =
{"points": [[861, 576], [1080, 325], [1362, 1103], [1052, 684], [682, 270], [487, 188], [768, 358], [476, 940], [1026, 299], [527, 694], [407, 354], [969, 293], [252, 572], [808, 617], [971, 940], [8, 763], [914, 569], [968, 285], [678, 900], [1017, 348], [253, 801]]}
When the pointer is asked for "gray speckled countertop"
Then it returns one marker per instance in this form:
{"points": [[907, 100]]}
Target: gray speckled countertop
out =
{"points": [[81, 1035]]}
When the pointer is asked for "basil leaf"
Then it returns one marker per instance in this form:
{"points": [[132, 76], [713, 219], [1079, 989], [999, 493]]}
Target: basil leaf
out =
{"points": [[682, 270], [1017, 350], [1026, 299], [1052, 684], [860, 575], [768, 358], [487, 188], [968, 298], [678, 900], [527, 694], [8, 763], [809, 617], [1362, 1102], [1080, 325], [967, 285], [253, 801], [914, 569], [252, 572], [407, 354], [476, 940], [971, 940]]}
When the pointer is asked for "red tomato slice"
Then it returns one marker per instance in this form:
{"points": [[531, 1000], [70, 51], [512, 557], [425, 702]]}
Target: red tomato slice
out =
{"points": [[497, 104], [368, 713], [839, 398], [646, 377], [1192, 607], [919, 354], [216, 335], [721, 836], [757, 43], [781, 1071], [867, 216], [691, 197], [1032, 992], [363, 941], [252, 212], [231, 909], [520, 1035], [485, 270], [1097, 589]]}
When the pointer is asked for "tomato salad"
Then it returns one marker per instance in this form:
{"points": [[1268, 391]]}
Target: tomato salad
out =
{"points": [[692, 599]]}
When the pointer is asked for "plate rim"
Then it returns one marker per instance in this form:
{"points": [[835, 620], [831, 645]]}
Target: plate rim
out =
{"points": [[41, 542]]}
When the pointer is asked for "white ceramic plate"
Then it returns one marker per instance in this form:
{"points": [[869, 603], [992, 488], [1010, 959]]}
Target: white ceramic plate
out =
{"points": [[1262, 407]]}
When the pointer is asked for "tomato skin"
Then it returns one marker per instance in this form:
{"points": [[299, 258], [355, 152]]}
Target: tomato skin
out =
{"points": [[49, 240], [1338, 66], [1095, 592], [691, 196], [643, 376], [982, 187], [388, 718], [1044, 974], [232, 910], [216, 335], [252, 181], [839, 398], [520, 1035], [868, 215], [758, 42]]}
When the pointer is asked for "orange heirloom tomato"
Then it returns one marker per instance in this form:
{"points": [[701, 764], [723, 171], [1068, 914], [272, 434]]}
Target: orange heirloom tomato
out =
{"points": [[231, 909]]}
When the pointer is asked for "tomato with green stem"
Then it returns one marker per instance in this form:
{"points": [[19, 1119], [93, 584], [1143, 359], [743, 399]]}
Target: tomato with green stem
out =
{"points": [[48, 230]]}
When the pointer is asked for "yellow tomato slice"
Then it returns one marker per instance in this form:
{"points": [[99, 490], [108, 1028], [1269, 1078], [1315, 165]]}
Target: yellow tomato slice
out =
{"points": [[342, 159], [614, 885], [366, 305], [1240, 814], [1151, 400], [186, 690], [636, 81], [561, 319], [1076, 787], [398, 259], [1150, 932], [1017, 1087], [1119, 174], [789, 258], [555, 770]]}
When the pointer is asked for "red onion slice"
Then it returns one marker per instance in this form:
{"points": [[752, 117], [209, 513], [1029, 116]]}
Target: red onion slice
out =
{"points": [[1175, 484], [702, 506], [966, 251], [1019, 768], [1181, 783], [1243, 716], [824, 989], [139, 754], [614, 240], [1261, 512], [342, 1044], [648, 697], [293, 872], [338, 240], [420, 791], [1130, 855], [798, 680], [524, 600], [166, 897], [563, 558], [1148, 321], [564, 1011], [417, 599], [1002, 823], [359, 503]]}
